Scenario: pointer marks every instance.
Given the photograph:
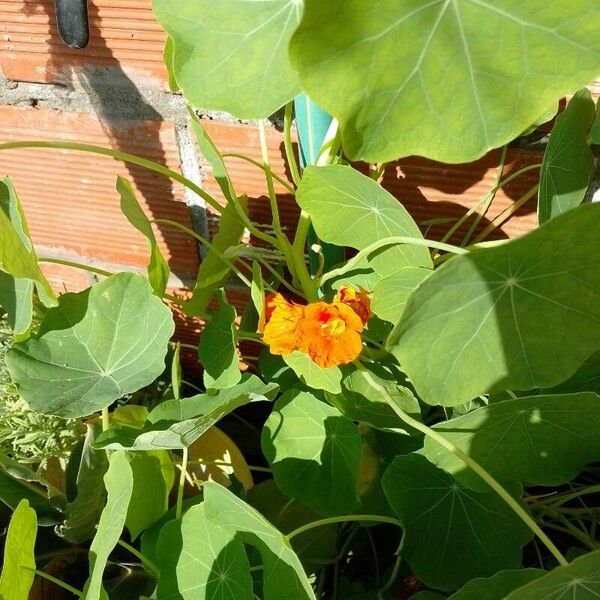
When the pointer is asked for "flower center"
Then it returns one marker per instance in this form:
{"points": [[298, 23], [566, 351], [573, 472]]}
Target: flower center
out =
{"points": [[335, 327]]}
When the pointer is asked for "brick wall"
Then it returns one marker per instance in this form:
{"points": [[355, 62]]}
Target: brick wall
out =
{"points": [[114, 93]]}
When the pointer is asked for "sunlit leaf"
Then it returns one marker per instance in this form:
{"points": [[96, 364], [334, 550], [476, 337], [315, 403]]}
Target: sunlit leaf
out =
{"points": [[348, 208], [283, 575], [158, 269], [522, 315], [568, 160], [200, 559], [119, 485], [451, 533], [217, 349], [314, 376], [444, 79], [94, 348], [314, 452], [232, 55], [580, 580], [18, 568], [391, 293]]}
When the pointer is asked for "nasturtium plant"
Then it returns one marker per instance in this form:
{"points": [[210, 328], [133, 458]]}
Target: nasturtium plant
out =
{"points": [[408, 405]]}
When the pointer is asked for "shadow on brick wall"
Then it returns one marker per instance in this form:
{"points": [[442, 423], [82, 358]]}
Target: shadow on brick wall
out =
{"points": [[131, 124]]}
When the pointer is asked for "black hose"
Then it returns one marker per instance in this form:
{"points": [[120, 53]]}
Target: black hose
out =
{"points": [[73, 25]]}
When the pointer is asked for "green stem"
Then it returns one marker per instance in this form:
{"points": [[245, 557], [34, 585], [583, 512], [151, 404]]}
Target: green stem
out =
{"points": [[210, 246], [75, 265], [265, 168], [565, 497], [105, 419], [145, 561], [506, 213], [391, 241], [58, 582], [220, 463], [470, 463], [183, 467], [575, 533], [287, 143], [343, 519]]}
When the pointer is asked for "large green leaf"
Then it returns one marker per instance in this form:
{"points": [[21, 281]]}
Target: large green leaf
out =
{"points": [[199, 559], [498, 586], [176, 424], [314, 452], [348, 208], [232, 55], [13, 491], [18, 569], [579, 580], [158, 269], [557, 434], [446, 79], [585, 379], [95, 347], [119, 485], [522, 315], [568, 160], [451, 533], [283, 575], [217, 349]]}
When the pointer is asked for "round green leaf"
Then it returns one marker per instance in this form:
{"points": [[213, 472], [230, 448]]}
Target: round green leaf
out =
{"points": [[348, 208], [314, 452], [497, 586], [557, 434], [522, 315], [391, 293], [452, 534], [199, 559], [446, 79], [579, 580], [93, 348], [232, 55]]}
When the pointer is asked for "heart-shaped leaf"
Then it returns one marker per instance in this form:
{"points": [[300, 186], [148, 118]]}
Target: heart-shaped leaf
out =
{"points": [[314, 452], [485, 321], [95, 347], [568, 160], [446, 79], [557, 434], [451, 533], [232, 55]]}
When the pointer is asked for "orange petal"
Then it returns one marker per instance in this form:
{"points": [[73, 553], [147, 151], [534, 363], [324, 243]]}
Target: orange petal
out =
{"points": [[282, 331], [359, 301]]}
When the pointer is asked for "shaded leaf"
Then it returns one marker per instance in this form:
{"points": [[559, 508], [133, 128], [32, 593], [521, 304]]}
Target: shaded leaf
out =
{"points": [[579, 580], [283, 575], [158, 269], [176, 424], [119, 485], [18, 568], [199, 559], [16, 298], [348, 208], [557, 434], [497, 586], [585, 379], [451, 533], [436, 93], [314, 453], [485, 321], [94, 348], [239, 64], [568, 160], [217, 349]]}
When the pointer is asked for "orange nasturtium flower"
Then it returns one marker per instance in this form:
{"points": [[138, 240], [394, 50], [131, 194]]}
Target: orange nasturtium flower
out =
{"points": [[328, 332]]}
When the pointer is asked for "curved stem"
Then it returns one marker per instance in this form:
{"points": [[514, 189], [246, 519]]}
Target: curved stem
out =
{"points": [[208, 244], [471, 464], [391, 241], [182, 476], [146, 561], [266, 169], [75, 265], [287, 143], [55, 581], [343, 519], [105, 419]]}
